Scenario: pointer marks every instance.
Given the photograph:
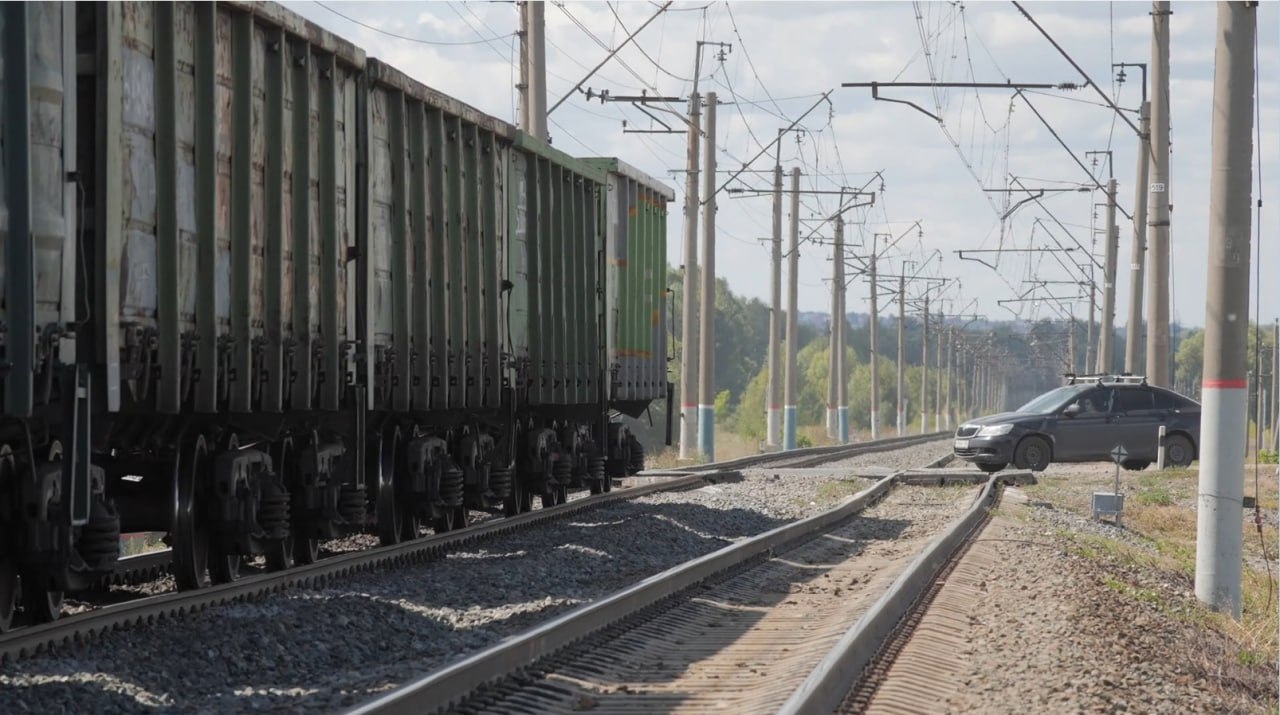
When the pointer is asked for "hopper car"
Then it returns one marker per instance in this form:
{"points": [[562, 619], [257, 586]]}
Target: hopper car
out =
{"points": [[261, 290]]}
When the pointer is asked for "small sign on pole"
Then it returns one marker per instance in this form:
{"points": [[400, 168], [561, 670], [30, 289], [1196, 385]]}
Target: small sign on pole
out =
{"points": [[1113, 504]]}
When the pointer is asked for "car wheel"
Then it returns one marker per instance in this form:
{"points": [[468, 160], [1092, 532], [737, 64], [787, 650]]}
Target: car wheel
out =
{"points": [[1032, 453], [1177, 451], [1135, 465], [991, 468]]}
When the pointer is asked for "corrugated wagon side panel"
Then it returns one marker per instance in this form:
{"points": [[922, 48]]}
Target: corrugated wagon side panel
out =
{"points": [[237, 145], [636, 287], [37, 202]]}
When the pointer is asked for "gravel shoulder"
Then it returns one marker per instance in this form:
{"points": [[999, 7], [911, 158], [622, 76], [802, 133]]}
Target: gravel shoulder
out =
{"points": [[1075, 615]]}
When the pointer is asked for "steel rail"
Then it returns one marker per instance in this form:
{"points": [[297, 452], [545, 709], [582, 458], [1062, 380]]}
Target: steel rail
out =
{"points": [[449, 686], [826, 687]]}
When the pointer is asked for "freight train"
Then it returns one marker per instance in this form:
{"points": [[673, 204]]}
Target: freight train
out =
{"points": [[261, 290]]}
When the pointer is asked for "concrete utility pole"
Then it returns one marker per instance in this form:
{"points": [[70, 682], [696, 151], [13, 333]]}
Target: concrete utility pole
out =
{"points": [[774, 397], [1275, 387], [1107, 333], [1158, 255], [689, 318], [1090, 342], [1224, 426], [842, 376], [924, 370], [793, 267], [937, 361], [833, 341], [902, 319], [951, 358], [875, 350], [1133, 330], [533, 69], [1071, 344], [707, 349]]}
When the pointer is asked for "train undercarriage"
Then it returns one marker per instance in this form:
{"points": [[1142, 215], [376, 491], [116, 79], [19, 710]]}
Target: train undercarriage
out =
{"points": [[227, 499]]}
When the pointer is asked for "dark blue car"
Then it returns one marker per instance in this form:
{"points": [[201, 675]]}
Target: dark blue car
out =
{"points": [[1084, 421]]}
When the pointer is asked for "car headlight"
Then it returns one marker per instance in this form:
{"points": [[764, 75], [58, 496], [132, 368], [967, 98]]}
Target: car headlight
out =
{"points": [[995, 430]]}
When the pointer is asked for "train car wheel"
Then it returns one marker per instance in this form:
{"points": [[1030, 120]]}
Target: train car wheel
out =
{"points": [[8, 592], [190, 525], [224, 567], [383, 458], [42, 604], [305, 550], [279, 552], [444, 523]]}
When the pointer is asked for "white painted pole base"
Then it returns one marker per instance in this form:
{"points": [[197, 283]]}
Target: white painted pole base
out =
{"points": [[789, 427], [773, 427], [1160, 448], [707, 431], [902, 422], [875, 424], [831, 422], [842, 420], [1219, 536], [688, 431]]}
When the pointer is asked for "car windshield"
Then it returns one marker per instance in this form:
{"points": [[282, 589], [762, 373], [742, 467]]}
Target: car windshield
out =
{"points": [[1050, 400]]}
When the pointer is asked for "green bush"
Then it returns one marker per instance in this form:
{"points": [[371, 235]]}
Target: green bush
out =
{"points": [[1268, 456], [803, 441]]}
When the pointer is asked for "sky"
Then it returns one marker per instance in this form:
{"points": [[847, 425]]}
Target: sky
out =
{"points": [[781, 57]]}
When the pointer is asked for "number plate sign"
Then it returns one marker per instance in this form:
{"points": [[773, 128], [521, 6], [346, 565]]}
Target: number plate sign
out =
{"points": [[962, 444]]}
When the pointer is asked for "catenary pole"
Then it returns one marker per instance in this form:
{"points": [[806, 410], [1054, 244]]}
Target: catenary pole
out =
{"points": [[707, 348], [1224, 426], [938, 363], [902, 319], [833, 361], [924, 370], [1275, 387], [1158, 248], [534, 62], [875, 351], [793, 267], [689, 318], [1133, 330], [842, 374], [1107, 331], [774, 418]]}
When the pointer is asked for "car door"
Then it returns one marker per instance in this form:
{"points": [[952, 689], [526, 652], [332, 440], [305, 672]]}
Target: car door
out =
{"points": [[1135, 422], [1078, 437]]}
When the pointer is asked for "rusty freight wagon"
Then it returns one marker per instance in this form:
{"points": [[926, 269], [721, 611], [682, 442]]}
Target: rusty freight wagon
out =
{"points": [[261, 290]]}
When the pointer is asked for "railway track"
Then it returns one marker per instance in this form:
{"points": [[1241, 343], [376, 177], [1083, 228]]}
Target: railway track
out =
{"points": [[77, 628], [742, 628]]}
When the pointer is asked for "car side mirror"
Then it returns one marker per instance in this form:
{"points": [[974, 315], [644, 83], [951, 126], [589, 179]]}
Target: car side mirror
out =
{"points": [[1072, 409]]}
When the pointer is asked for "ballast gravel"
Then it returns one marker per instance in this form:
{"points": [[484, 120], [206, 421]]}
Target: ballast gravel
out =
{"points": [[333, 647]]}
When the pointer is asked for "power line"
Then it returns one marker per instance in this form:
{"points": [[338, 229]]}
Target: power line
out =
{"points": [[418, 40]]}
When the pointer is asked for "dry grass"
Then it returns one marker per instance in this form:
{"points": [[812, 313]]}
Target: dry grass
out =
{"points": [[1238, 657]]}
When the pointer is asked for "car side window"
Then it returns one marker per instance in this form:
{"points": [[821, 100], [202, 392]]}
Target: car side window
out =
{"points": [[1163, 400], [1094, 402], [1133, 399]]}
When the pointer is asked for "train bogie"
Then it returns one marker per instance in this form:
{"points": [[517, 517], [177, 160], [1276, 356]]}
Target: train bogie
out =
{"points": [[261, 291]]}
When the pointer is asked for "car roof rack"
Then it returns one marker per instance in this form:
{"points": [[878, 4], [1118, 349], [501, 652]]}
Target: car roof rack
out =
{"points": [[1100, 378]]}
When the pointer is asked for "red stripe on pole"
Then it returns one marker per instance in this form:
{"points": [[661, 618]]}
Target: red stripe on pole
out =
{"points": [[1225, 384]]}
